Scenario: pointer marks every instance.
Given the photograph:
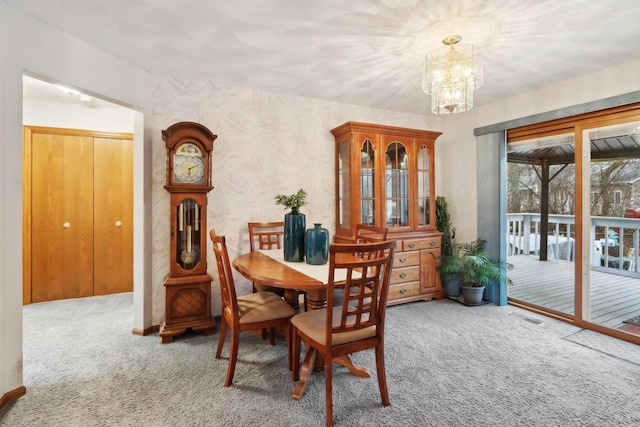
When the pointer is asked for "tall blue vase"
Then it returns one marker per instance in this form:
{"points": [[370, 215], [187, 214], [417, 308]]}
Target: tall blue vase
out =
{"points": [[317, 245], [294, 229]]}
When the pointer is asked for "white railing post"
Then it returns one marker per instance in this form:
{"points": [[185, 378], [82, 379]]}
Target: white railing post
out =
{"points": [[527, 233], [596, 249]]}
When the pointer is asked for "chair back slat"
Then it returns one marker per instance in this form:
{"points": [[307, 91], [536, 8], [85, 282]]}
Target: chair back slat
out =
{"points": [[366, 287], [265, 235], [227, 285]]}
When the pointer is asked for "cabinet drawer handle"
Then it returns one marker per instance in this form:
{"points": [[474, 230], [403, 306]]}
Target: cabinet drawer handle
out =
{"points": [[403, 275], [403, 291], [412, 245], [66, 225], [403, 260], [432, 243]]}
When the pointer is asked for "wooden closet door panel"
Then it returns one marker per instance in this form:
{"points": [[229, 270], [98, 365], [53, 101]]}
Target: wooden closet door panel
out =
{"points": [[113, 247], [47, 218], [62, 217], [127, 215], [78, 206]]}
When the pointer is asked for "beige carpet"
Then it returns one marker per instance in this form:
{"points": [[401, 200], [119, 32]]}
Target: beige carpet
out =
{"points": [[447, 365]]}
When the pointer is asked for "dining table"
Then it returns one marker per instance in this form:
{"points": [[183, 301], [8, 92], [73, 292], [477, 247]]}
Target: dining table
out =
{"points": [[268, 267]]}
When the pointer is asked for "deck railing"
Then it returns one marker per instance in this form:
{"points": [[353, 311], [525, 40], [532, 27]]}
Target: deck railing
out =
{"points": [[614, 240]]}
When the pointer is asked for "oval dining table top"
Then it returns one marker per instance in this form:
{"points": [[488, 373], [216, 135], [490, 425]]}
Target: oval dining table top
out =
{"points": [[262, 269]]}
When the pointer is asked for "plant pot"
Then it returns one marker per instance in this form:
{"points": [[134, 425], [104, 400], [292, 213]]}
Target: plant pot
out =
{"points": [[472, 295], [451, 284]]}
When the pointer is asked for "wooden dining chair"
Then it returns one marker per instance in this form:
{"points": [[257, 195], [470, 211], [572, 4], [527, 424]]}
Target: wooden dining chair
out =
{"points": [[266, 235], [370, 233], [364, 234], [252, 312], [358, 324], [269, 235]]}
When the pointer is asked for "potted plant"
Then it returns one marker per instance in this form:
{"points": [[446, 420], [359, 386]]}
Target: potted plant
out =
{"points": [[478, 270], [449, 262], [294, 225]]}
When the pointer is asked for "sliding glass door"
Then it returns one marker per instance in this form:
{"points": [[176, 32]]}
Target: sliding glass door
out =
{"points": [[573, 219], [541, 222], [611, 202]]}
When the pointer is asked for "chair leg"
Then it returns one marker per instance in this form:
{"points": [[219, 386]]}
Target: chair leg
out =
{"points": [[272, 336], [295, 353], [328, 385], [382, 376], [289, 346], [233, 356], [223, 335]]}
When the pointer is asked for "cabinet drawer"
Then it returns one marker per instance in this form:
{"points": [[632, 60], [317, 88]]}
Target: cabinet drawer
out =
{"points": [[403, 290], [429, 243], [406, 259], [399, 275]]}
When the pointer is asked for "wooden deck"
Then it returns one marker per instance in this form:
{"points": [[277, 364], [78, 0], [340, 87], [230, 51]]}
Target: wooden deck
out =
{"points": [[550, 284]]}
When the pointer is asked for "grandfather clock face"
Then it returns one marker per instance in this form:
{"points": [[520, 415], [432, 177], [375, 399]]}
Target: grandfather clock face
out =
{"points": [[188, 164]]}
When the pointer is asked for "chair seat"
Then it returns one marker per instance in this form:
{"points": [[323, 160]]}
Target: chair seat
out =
{"points": [[261, 307], [312, 323]]}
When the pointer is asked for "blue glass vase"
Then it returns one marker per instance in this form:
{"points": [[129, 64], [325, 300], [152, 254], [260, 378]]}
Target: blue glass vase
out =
{"points": [[294, 228], [317, 245]]}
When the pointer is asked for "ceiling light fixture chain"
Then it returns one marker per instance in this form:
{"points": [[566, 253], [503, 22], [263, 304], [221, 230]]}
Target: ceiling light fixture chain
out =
{"points": [[451, 76]]}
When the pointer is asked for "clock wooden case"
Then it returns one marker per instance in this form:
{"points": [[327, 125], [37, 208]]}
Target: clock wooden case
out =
{"points": [[385, 177], [189, 150]]}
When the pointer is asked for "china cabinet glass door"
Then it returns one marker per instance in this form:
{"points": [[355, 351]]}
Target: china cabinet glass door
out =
{"points": [[396, 185], [367, 183], [344, 191], [423, 186]]}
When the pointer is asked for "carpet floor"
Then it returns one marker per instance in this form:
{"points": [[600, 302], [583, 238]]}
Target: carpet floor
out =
{"points": [[447, 365]]}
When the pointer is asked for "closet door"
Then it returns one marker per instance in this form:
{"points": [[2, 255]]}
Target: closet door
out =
{"points": [[113, 215], [61, 216]]}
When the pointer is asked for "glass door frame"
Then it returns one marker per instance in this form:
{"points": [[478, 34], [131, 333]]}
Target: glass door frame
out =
{"points": [[580, 125]]}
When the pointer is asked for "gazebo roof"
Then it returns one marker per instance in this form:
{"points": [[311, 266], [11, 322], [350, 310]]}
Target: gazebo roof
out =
{"points": [[562, 152]]}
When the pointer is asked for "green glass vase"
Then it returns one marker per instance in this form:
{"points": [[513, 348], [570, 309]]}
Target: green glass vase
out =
{"points": [[294, 229]]}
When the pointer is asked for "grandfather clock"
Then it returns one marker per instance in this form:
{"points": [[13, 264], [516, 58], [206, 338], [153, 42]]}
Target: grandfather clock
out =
{"points": [[188, 170]]}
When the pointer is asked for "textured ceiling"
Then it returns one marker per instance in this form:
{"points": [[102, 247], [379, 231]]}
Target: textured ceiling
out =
{"points": [[366, 52]]}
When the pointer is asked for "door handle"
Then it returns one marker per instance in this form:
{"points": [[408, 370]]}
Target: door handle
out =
{"points": [[118, 223]]}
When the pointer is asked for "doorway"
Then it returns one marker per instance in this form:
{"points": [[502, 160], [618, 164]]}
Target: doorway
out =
{"points": [[78, 221], [575, 248], [49, 106]]}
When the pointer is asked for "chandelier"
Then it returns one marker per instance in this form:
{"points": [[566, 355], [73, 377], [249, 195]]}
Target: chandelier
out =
{"points": [[451, 75]]}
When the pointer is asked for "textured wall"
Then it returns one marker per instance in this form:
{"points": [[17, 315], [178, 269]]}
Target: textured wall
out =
{"points": [[267, 144]]}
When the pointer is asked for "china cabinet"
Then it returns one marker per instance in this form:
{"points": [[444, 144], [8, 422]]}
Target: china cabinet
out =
{"points": [[385, 177]]}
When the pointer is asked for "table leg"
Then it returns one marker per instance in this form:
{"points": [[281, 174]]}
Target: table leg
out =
{"points": [[291, 298], [316, 299]]}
